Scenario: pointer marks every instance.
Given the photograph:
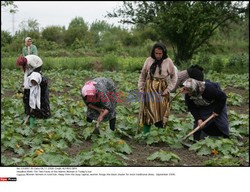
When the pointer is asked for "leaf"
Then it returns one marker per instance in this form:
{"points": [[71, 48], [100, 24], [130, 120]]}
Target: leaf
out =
{"points": [[204, 151], [164, 156], [53, 159]]}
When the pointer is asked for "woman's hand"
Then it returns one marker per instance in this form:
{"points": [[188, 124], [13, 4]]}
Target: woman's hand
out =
{"points": [[102, 115], [100, 110], [200, 122], [100, 118], [165, 93], [215, 114]]}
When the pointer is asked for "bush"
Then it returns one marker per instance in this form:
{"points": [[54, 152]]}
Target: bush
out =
{"points": [[110, 62], [238, 63], [218, 64]]}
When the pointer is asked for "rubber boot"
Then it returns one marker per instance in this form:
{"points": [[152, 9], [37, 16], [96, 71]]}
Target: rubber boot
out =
{"points": [[32, 122], [146, 129]]}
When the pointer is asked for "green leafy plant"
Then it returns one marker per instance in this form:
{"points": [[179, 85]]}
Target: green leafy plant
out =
{"points": [[216, 146], [234, 99], [164, 156], [223, 161]]}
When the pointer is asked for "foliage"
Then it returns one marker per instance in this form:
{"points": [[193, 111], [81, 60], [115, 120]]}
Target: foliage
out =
{"points": [[239, 63], [13, 7], [234, 99], [110, 62], [54, 33], [50, 141], [239, 124], [5, 38], [77, 29], [164, 156], [215, 146], [223, 161], [178, 21]]}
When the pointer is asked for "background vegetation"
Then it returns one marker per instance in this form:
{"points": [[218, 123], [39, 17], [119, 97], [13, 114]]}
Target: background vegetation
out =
{"points": [[102, 46]]}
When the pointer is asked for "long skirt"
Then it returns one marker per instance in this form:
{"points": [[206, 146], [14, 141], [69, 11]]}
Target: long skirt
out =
{"points": [[215, 127], [154, 107]]}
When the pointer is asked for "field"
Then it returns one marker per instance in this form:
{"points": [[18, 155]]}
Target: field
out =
{"points": [[66, 138]]}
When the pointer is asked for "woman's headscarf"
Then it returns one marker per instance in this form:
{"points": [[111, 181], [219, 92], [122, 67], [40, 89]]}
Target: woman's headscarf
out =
{"points": [[194, 86], [158, 63], [89, 88], [196, 72], [26, 40], [21, 62], [35, 90]]}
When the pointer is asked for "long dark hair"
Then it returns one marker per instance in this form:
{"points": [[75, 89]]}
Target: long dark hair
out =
{"points": [[158, 63]]}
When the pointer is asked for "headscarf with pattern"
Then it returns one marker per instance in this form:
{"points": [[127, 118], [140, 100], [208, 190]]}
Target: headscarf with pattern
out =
{"points": [[195, 87]]}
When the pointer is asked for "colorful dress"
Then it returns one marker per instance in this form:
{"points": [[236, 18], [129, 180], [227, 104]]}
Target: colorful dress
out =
{"points": [[156, 108]]}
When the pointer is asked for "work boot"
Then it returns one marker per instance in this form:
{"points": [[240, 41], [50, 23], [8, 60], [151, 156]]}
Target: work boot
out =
{"points": [[146, 129], [32, 122]]}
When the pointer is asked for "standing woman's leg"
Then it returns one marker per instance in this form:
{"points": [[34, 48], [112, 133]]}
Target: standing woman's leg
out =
{"points": [[112, 124], [26, 98]]}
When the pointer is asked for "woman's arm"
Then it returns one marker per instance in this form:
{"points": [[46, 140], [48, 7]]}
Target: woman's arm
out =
{"points": [[173, 75], [143, 75], [213, 93], [102, 115], [91, 106], [34, 50]]}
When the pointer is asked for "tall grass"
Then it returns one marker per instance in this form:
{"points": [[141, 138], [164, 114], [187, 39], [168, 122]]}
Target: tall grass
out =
{"points": [[235, 63]]}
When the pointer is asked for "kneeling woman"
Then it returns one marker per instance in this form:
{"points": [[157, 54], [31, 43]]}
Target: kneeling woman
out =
{"points": [[100, 96], [204, 98]]}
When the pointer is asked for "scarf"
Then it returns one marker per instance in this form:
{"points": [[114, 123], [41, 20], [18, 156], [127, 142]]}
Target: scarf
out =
{"points": [[26, 43], [89, 88], [195, 87], [35, 90], [157, 62]]}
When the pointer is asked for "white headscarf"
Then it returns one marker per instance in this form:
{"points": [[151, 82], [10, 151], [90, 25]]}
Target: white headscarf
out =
{"points": [[26, 43], [35, 91]]}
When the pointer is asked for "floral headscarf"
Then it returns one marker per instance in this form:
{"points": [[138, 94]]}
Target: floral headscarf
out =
{"points": [[195, 87]]}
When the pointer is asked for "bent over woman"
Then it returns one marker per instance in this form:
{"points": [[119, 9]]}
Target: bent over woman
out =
{"points": [[203, 99], [36, 95], [100, 97]]}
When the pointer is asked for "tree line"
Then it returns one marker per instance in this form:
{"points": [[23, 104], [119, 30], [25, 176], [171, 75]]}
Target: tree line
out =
{"points": [[185, 26]]}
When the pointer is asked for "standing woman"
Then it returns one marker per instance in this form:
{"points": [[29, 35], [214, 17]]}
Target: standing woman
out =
{"points": [[29, 48], [158, 69]]}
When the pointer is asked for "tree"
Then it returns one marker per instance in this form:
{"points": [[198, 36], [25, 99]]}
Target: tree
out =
{"points": [[77, 30], [186, 24], [97, 29], [29, 25], [5, 38], [13, 7], [54, 34], [29, 28]]}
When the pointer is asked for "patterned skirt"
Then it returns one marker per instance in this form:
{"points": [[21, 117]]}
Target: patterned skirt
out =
{"points": [[154, 107]]}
